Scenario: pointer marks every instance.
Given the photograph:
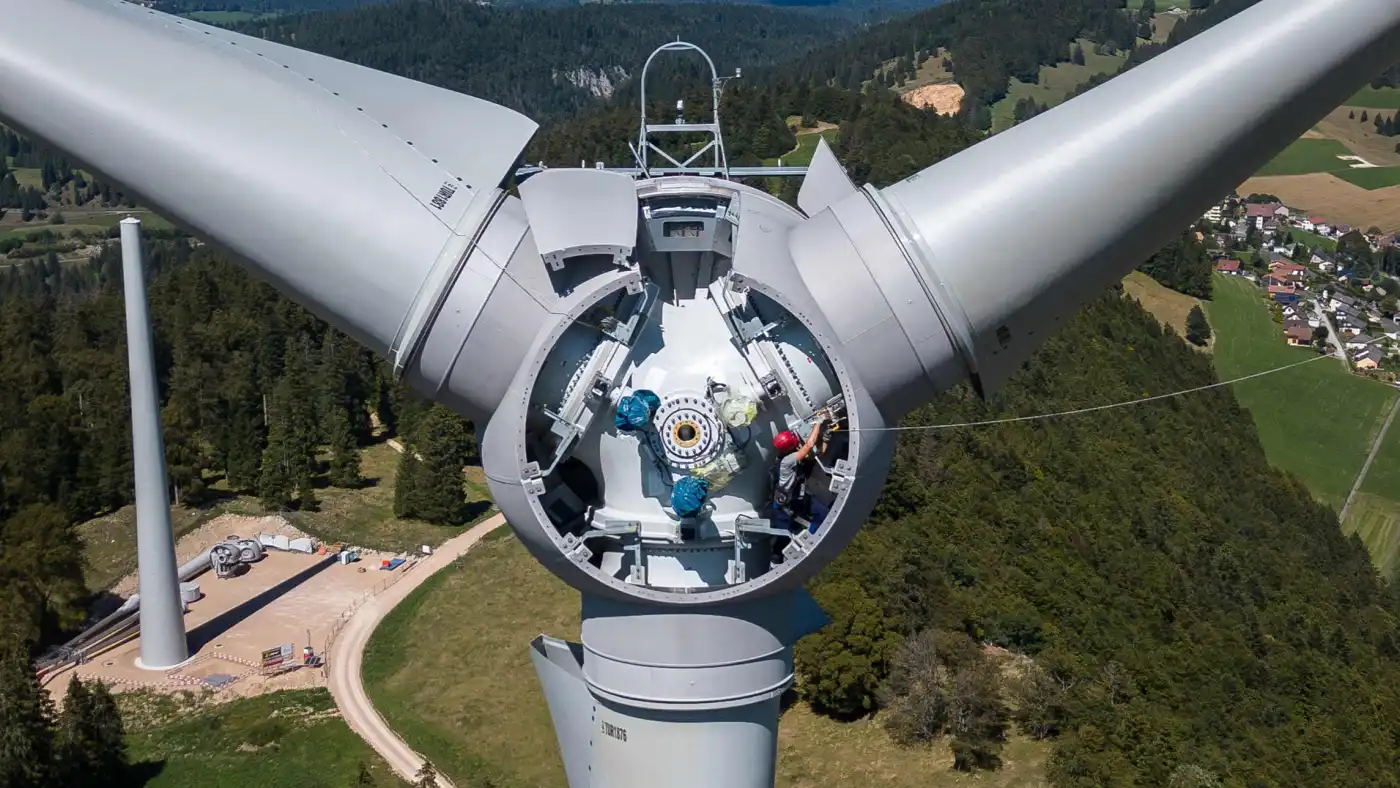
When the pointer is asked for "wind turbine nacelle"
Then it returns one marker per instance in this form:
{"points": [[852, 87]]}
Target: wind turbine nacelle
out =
{"points": [[374, 201]]}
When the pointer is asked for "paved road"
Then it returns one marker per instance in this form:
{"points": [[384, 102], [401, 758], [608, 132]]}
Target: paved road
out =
{"points": [[347, 655], [1375, 447], [1332, 337]]}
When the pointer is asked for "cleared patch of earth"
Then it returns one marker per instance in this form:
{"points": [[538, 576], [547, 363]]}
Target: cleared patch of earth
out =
{"points": [[944, 99]]}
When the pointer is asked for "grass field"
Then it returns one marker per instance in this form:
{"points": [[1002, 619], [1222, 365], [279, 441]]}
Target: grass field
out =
{"points": [[25, 176], [1164, 303], [363, 517], [471, 703], [801, 156], [1313, 240], [1344, 125], [1375, 512], [1339, 201], [1371, 178], [1376, 519], [282, 740], [1316, 421], [1306, 156], [1376, 98], [1055, 84]]}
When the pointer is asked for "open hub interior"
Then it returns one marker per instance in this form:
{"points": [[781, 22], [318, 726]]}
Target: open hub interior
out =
{"points": [[651, 426]]}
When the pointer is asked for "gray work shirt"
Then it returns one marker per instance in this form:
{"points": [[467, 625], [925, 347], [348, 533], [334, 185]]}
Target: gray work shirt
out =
{"points": [[787, 471]]}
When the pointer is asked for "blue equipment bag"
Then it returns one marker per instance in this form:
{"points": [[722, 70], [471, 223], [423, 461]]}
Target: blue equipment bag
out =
{"points": [[688, 496], [634, 410]]}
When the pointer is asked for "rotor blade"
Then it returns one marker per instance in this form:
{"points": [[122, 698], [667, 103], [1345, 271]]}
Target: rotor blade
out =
{"points": [[357, 192], [1010, 237]]}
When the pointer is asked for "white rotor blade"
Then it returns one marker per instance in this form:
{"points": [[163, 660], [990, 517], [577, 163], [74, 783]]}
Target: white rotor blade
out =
{"points": [[357, 192]]}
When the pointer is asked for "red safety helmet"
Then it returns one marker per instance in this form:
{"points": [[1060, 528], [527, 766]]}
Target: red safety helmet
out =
{"points": [[786, 442]]}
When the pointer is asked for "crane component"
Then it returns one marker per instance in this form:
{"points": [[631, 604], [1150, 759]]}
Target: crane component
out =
{"points": [[1104, 180], [358, 193]]}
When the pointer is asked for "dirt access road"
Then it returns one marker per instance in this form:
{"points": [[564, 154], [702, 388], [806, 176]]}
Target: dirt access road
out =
{"points": [[346, 656]]}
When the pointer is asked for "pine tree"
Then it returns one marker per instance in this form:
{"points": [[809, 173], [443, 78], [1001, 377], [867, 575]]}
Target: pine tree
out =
{"points": [[363, 777], [1078, 56], [90, 742], [345, 451], [406, 485], [446, 443], [426, 776], [1364, 116], [1197, 328], [26, 722], [289, 461]]}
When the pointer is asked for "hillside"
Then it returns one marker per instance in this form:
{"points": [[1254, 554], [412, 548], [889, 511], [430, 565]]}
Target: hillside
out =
{"points": [[991, 42], [548, 62], [1186, 604], [241, 10]]}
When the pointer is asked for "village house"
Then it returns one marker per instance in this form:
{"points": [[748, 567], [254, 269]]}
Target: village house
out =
{"points": [[1283, 294], [1229, 267], [1389, 329], [1324, 262], [1359, 342], [1370, 358], [1287, 270], [1298, 335]]}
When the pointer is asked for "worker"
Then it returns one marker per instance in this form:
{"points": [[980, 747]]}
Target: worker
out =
{"points": [[794, 465]]}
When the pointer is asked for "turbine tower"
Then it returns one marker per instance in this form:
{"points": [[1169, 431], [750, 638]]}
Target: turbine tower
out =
{"points": [[631, 346], [163, 643]]}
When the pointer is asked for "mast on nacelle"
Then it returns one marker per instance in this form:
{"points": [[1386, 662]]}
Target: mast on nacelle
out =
{"points": [[644, 147]]}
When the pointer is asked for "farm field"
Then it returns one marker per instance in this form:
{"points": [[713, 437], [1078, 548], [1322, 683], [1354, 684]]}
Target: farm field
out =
{"points": [[1055, 84], [1339, 201], [292, 739], [1345, 125], [1316, 421], [1371, 178], [1306, 156], [471, 702], [1164, 303], [1376, 98], [1375, 512], [1376, 519]]}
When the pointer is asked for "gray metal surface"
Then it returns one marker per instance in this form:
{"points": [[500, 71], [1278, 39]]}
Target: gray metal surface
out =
{"points": [[163, 642], [688, 699], [356, 192], [581, 212]]}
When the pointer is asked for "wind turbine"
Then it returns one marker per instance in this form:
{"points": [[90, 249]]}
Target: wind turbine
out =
{"points": [[374, 201]]}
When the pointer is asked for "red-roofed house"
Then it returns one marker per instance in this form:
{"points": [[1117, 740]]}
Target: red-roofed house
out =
{"points": [[1289, 271], [1231, 267], [1262, 210]]}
